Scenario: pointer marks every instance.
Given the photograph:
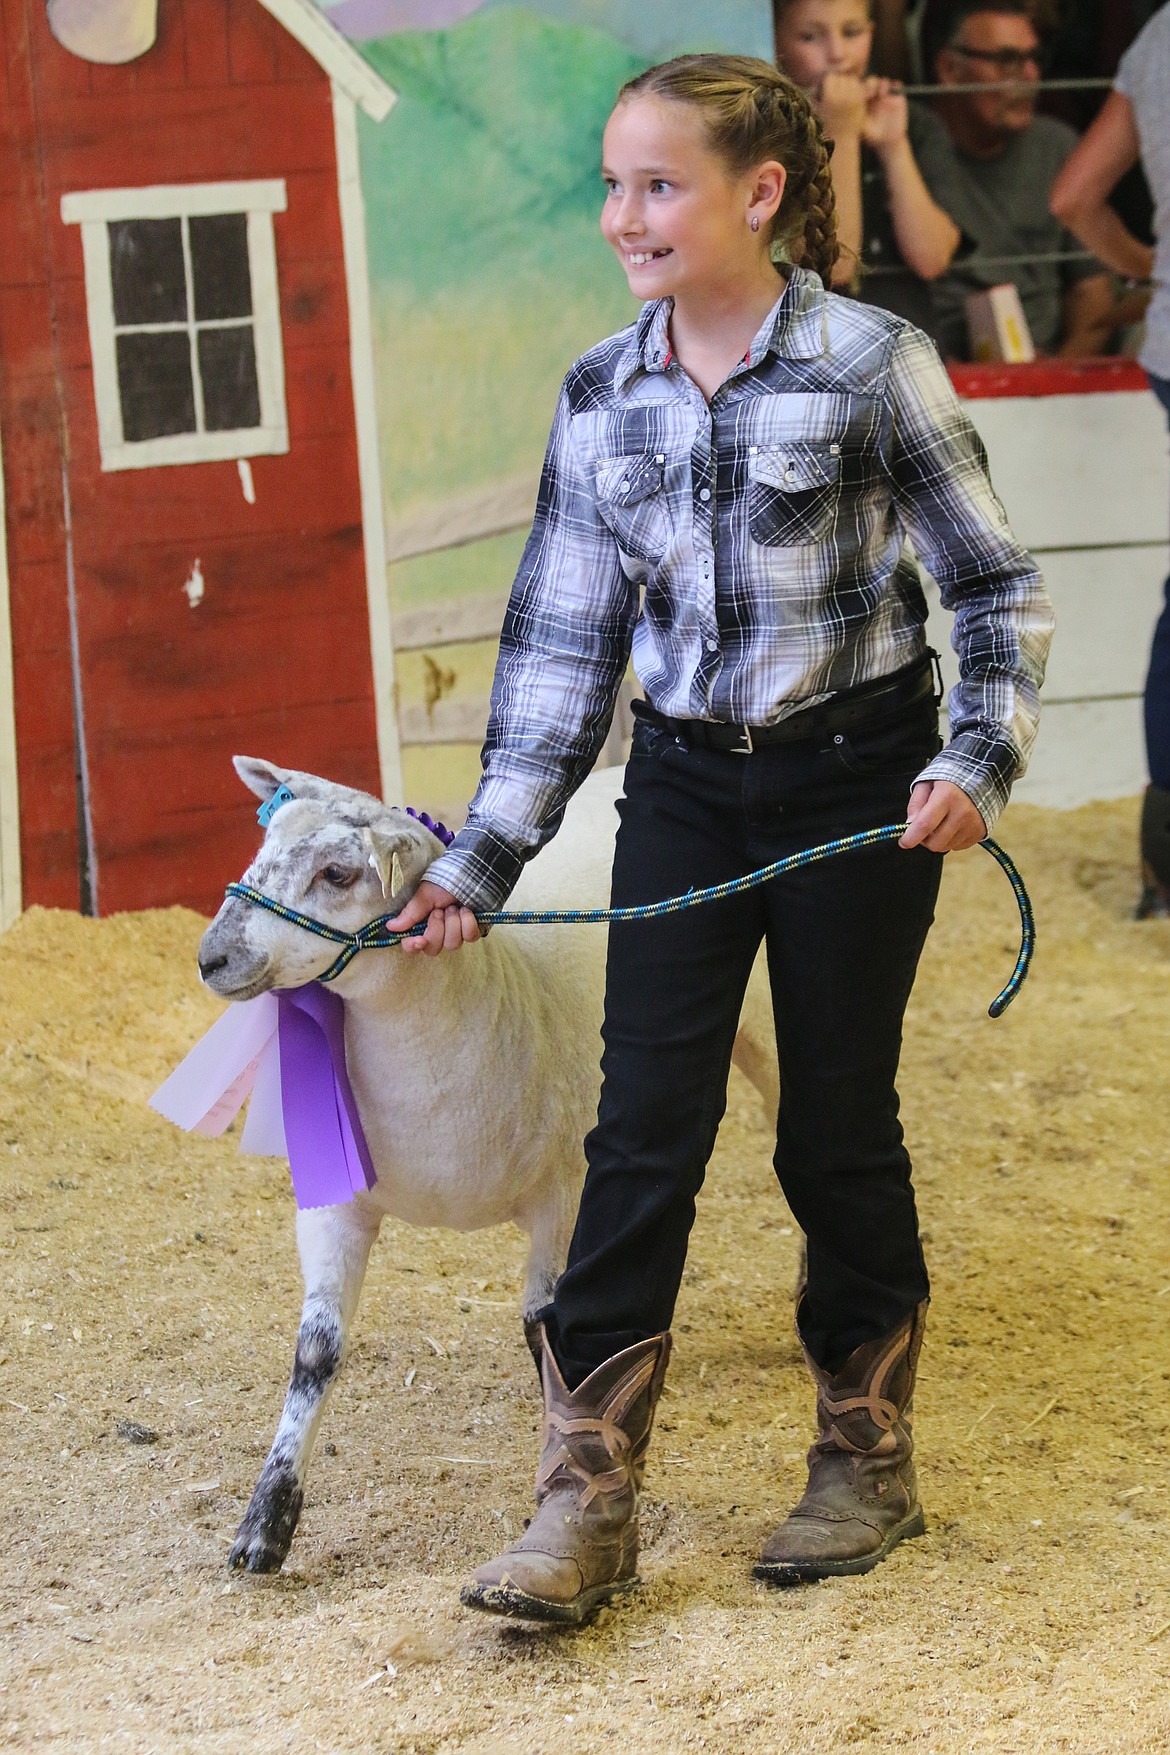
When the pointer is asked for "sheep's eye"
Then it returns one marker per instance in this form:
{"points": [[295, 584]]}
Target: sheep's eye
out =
{"points": [[339, 876]]}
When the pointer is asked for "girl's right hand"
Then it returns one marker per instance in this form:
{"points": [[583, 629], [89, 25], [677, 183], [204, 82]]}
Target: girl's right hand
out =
{"points": [[448, 925], [841, 105]]}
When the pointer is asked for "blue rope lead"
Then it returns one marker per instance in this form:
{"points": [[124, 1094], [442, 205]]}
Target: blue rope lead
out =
{"points": [[374, 936], [1001, 1002]]}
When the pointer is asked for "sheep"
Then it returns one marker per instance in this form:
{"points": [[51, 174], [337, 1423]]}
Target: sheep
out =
{"points": [[476, 1076]]}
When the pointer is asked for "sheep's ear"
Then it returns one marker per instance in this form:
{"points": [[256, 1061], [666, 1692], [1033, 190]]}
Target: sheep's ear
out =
{"points": [[384, 858], [260, 777], [385, 847]]}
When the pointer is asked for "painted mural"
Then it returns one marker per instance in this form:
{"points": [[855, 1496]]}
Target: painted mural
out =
{"points": [[286, 293], [488, 277]]}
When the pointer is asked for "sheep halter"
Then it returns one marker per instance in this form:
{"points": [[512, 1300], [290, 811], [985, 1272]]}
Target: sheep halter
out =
{"points": [[376, 936]]}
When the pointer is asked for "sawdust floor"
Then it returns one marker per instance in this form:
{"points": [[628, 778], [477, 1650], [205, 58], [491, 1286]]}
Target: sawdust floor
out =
{"points": [[150, 1278]]}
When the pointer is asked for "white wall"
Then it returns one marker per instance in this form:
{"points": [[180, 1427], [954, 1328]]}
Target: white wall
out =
{"points": [[1086, 483]]}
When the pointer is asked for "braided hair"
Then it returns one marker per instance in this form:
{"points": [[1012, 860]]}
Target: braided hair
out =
{"points": [[753, 113]]}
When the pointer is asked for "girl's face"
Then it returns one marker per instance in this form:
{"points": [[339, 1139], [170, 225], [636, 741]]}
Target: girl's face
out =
{"points": [[816, 37], [677, 219]]}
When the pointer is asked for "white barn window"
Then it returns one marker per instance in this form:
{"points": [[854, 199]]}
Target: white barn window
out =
{"points": [[184, 320]]}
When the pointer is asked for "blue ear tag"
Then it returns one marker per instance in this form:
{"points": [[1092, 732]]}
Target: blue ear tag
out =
{"points": [[265, 814]]}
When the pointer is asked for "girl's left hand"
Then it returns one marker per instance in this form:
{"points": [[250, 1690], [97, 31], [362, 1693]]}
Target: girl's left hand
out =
{"points": [[448, 926], [941, 817], [887, 114]]}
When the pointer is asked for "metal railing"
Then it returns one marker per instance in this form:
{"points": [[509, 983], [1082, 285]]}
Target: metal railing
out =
{"points": [[982, 85]]}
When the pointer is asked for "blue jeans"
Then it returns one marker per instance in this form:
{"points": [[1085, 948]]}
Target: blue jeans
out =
{"points": [[1157, 695], [843, 941]]}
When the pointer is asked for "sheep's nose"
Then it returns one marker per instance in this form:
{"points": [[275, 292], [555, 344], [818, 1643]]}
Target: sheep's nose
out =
{"points": [[209, 965]]}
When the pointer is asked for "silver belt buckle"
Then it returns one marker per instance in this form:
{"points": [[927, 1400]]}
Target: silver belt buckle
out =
{"points": [[747, 738]]}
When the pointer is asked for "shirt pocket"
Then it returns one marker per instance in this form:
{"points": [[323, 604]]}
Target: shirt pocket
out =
{"points": [[793, 492], [632, 500]]}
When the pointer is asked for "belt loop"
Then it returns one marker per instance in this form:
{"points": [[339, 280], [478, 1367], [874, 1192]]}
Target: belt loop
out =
{"points": [[936, 666]]}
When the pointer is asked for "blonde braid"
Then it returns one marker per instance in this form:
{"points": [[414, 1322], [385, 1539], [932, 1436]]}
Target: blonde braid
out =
{"points": [[821, 248], [814, 197]]}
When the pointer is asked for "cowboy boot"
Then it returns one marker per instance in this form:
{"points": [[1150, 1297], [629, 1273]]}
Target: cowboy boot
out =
{"points": [[581, 1548], [861, 1497]]}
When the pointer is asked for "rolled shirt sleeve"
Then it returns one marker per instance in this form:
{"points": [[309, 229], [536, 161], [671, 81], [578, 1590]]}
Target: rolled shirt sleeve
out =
{"points": [[959, 530], [563, 652]]}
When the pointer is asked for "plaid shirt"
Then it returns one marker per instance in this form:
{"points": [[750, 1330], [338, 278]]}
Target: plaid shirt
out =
{"points": [[750, 554]]}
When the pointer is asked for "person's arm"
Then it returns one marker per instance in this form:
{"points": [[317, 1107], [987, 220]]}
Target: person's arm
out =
{"points": [[927, 237], [563, 653], [1003, 617], [1080, 195], [840, 104], [1089, 316]]}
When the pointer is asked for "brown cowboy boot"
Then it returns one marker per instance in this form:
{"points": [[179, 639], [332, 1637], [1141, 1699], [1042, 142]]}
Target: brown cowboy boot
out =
{"points": [[861, 1497], [581, 1548]]}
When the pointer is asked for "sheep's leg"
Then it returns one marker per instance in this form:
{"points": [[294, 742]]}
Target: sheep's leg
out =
{"points": [[549, 1228], [334, 1244], [754, 1052]]}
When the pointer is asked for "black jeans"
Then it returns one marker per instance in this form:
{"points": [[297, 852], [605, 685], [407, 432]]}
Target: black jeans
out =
{"points": [[1157, 691], [843, 942]]}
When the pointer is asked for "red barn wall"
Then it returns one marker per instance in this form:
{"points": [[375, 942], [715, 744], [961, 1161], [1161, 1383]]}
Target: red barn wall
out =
{"points": [[31, 441], [275, 660]]}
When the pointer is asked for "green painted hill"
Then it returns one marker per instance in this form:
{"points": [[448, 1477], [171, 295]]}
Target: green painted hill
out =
{"points": [[489, 161]]}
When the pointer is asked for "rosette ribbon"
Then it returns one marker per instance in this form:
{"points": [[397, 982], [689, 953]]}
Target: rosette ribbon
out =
{"points": [[286, 1051]]}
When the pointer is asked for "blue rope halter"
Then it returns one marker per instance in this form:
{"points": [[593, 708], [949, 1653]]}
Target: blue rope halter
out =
{"points": [[374, 936]]}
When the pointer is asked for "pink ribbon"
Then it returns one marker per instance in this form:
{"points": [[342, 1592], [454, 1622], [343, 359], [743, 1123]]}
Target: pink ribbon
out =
{"points": [[286, 1050]]}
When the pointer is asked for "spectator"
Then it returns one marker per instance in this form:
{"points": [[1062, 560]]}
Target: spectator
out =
{"points": [[993, 161], [1135, 122], [886, 217], [1086, 40]]}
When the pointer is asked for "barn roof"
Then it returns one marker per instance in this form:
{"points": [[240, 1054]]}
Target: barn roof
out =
{"points": [[335, 54]]}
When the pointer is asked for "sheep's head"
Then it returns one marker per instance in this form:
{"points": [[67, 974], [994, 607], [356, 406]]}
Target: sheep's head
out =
{"points": [[340, 856]]}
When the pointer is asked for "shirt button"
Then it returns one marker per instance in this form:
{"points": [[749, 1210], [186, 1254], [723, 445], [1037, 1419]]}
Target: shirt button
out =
{"points": [[624, 487], [712, 645], [704, 493]]}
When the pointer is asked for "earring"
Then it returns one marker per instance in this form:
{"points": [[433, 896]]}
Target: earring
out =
{"points": [[755, 222]]}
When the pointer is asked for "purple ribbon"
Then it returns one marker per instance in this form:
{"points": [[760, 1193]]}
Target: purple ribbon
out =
{"points": [[327, 1151], [445, 835]]}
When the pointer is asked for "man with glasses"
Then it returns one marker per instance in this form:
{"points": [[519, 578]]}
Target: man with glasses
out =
{"points": [[991, 161]]}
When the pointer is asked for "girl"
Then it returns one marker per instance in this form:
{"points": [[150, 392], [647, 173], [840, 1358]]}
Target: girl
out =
{"points": [[885, 214], [749, 455]]}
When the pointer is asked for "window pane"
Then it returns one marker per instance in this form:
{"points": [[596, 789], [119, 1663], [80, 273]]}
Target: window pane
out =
{"points": [[219, 266], [154, 381], [227, 366], [146, 265]]}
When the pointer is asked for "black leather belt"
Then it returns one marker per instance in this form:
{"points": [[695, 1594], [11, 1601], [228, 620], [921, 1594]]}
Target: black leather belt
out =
{"points": [[850, 707]]}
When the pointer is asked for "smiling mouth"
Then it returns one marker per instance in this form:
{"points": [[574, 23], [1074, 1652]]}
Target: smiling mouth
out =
{"points": [[639, 258]]}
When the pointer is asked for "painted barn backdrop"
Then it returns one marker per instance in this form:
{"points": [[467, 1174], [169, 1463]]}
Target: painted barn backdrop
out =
{"points": [[192, 503], [286, 291], [269, 448]]}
